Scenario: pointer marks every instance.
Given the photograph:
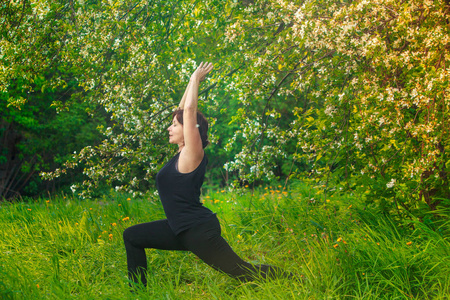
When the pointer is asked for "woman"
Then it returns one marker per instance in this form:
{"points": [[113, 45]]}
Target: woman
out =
{"points": [[189, 225]]}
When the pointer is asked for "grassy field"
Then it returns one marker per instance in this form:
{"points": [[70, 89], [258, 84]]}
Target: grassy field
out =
{"points": [[62, 248]]}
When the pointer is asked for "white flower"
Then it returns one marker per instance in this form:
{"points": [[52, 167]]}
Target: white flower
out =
{"points": [[391, 183]]}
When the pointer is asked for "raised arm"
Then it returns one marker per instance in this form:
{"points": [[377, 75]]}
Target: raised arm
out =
{"points": [[183, 99], [192, 153]]}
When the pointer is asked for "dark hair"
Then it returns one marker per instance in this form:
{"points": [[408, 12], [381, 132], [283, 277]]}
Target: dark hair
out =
{"points": [[201, 122]]}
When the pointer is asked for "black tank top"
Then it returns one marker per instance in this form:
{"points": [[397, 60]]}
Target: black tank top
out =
{"points": [[180, 195]]}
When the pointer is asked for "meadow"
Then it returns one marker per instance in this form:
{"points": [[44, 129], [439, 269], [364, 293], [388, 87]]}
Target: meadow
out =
{"points": [[64, 248]]}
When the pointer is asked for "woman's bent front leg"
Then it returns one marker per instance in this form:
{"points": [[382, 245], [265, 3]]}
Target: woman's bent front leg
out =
{"points": [[156, 235]]}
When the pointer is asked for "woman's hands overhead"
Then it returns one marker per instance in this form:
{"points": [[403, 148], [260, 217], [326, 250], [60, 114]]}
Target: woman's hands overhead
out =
{"points": [[202, 71]]}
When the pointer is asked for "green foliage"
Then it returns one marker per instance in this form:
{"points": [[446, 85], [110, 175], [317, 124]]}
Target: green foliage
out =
{"points": [[36, 138], [63, 247], [344, 94]]}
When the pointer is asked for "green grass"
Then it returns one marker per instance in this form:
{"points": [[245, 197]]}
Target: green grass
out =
{"points": [[69, 249]]}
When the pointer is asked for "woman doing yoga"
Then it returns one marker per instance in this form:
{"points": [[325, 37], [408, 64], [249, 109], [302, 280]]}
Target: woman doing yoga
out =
{"points": [[189, 226]]}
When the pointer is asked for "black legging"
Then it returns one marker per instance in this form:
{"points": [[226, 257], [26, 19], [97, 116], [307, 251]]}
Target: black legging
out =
{"points": [[203, 240]]}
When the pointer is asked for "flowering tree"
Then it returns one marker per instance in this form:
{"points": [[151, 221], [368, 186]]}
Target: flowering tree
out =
{"points": [[345, 93], [365, 87]]}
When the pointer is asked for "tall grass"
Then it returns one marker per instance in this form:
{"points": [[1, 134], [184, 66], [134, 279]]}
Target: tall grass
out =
{"points": [[62, 248]]}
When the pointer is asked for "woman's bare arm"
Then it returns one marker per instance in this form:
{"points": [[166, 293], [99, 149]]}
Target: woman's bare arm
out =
{"points": [[192, 153], [183, 99]]}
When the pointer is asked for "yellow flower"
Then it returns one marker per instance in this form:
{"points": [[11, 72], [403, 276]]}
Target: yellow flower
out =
{"points": [[110, 236], [335, 245], [339, 239], [409, 243], [113, 224], [125, 219], [128, 199]]}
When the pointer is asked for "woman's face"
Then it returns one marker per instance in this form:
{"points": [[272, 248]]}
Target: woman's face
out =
{"points": [[176, 132]]}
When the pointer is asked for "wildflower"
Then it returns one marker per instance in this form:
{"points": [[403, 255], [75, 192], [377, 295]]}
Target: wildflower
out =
{"points": [[76, 223], [128, 199], [216, 201], [47, 201], [113, 224], [336, 245], [339, 239], [29, 209], [120, 204], [110, 236], [126, 219], [409, 243]]}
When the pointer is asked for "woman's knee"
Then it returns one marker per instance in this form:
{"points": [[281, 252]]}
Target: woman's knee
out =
{"points": [[127, 235]]}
